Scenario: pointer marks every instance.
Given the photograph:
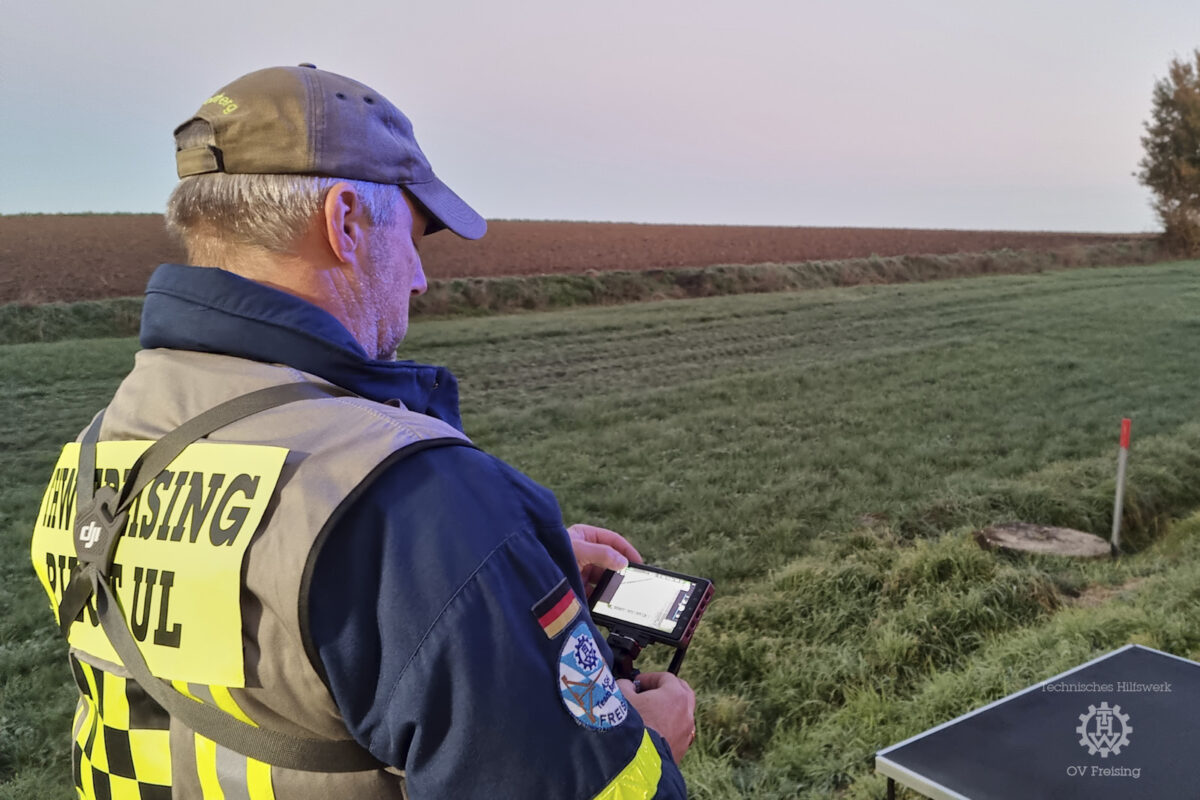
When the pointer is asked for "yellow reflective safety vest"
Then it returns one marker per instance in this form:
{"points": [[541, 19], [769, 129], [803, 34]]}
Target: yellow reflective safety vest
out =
{"points": [[208, 574]]}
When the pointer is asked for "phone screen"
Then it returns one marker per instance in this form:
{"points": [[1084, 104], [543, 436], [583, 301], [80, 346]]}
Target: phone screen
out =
{"points": [[645, 598]]}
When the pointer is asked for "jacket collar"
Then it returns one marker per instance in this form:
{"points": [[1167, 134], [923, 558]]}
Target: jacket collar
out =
{"points": [[214, 311]]}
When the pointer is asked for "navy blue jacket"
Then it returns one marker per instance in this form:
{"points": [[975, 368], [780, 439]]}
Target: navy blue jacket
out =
{"points": [[431, 595]]}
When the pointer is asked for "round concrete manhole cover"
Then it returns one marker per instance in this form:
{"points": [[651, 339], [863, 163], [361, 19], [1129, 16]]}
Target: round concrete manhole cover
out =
{"points": [[1042, 539]]}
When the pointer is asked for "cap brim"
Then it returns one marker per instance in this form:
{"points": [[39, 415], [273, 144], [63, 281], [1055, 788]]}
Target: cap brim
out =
{"points": [[448, 209]]}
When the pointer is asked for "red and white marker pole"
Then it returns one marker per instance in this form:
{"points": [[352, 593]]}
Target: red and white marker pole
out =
{"points": [[1119, 503]]}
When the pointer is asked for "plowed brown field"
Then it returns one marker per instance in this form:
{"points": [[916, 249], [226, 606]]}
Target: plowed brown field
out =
{"points": [[46, 258]]}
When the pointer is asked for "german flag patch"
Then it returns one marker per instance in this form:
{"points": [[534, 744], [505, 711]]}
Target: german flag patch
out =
{"points": [[557, 609]]}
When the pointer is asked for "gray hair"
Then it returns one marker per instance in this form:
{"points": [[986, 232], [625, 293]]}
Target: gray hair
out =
{"points": [[218, 210]]}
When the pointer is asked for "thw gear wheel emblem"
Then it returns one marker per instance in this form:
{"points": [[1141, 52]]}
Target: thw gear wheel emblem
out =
{"points": [[1104, 730]]}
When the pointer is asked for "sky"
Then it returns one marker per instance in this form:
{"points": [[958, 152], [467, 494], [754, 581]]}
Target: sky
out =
{"points": [[1015, 115]]}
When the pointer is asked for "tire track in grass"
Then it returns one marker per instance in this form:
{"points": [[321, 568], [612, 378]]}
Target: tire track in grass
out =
{"points": [[759, 333]]}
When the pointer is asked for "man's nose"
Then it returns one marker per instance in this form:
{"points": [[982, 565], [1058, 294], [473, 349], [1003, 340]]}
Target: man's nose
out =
{"points": [[420, 284]]}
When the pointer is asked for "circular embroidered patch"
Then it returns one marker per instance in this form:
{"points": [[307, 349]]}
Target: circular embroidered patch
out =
{"points": [[586, 684]]}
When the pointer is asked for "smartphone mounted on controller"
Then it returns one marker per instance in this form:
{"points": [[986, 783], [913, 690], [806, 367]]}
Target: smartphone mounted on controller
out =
{"points": [[642, 605]]}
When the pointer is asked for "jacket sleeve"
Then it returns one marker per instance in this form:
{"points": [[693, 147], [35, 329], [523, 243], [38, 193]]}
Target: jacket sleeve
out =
{"points": [[447, 614]]}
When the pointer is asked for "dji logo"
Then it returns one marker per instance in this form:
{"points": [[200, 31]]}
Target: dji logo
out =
{"points": [[89, 533]]}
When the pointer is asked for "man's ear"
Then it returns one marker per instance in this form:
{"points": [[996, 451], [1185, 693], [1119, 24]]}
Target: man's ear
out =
{"points": [[345, 221]]}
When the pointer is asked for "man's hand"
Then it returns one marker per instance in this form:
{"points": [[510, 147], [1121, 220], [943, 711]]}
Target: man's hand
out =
{"points": [[668, 705], [598, 549]]}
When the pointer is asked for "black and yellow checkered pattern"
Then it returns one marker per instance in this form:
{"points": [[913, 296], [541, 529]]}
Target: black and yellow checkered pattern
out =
{"points": [[121, 745]]}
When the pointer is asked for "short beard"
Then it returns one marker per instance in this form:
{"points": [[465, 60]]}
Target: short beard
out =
{"points": [[389, 330]]}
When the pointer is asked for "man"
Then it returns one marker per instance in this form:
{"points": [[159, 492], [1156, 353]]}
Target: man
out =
{"points": [[363, 604]]}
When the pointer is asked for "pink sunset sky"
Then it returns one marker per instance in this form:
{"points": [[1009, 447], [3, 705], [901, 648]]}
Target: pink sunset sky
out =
{"points": [[1016, 115]]}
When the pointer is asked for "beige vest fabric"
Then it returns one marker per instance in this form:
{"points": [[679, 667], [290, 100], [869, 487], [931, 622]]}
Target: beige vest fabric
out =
{"points": [[334, 444]]}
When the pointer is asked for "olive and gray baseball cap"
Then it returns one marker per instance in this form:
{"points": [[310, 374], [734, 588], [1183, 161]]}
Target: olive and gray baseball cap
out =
{"points": [[302, 120]]}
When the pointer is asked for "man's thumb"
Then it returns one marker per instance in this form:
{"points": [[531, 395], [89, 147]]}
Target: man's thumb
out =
{"points": [[600, 555]]}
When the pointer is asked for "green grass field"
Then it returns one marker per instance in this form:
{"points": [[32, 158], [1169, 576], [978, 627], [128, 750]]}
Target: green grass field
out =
{"points": [[822, 456]]}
